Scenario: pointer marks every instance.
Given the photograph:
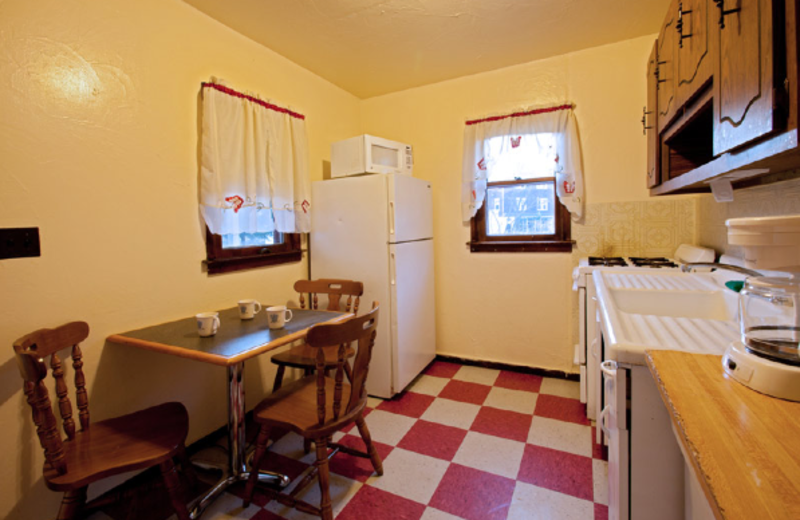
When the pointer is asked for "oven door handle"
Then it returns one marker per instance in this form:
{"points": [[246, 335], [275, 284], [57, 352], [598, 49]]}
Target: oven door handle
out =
{"points": [[609, 371], [602, 421], [609, 368]]}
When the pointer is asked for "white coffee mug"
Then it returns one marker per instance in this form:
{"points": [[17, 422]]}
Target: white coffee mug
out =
{"points": [[207, 323], [248, 309], [278, 316]]}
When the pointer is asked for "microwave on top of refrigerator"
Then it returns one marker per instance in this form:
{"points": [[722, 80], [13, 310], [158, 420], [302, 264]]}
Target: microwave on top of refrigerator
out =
{"points": [[369, 154]]}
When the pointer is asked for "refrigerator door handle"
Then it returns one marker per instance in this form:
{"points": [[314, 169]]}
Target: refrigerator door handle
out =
{"points": [[392, 270], [391, 219]]}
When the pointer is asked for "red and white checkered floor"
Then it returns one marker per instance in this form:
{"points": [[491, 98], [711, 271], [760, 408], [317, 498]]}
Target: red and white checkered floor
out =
{"points": [[461, 442]]}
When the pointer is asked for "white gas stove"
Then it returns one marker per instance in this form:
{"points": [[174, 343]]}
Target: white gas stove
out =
{"points": [[587, 356]]}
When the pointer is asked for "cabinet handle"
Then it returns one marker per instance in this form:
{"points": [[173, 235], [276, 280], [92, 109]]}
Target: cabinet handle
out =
{"points": [[723, 12], [645, 128], [658, 74], [679, 25]]}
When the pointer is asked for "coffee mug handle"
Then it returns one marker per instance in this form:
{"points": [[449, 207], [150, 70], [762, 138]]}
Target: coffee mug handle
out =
{"points": [[216, 324], [256, 308], [288, 315]]}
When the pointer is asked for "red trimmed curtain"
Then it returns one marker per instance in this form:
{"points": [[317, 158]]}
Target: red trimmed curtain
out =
{"points": [[551, 133], [254, 165]]}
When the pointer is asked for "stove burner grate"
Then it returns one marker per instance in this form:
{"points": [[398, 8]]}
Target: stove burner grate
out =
{"points": [[613, 261], [656, 262]]}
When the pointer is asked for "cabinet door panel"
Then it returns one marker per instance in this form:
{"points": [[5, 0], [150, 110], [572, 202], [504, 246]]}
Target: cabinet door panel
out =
{"points": [[743, 96], [693, 59], [650, 118], [667, 103]]}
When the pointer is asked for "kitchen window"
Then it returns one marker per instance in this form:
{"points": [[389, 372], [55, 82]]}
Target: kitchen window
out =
{"points": [[254, 181], [522, 212], [522, 181], [233, 252]]}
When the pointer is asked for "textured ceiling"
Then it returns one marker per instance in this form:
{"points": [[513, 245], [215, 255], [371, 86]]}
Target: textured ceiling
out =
{"points": [[373, 47]]}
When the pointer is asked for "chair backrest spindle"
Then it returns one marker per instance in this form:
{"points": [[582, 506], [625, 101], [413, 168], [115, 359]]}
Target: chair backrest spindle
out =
{"points": [[339, 378], [320, 359], [80, 387], [64, 406]]}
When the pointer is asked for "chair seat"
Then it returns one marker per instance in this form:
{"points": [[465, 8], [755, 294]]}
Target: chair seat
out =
{"points": [[135, 441], [303, 356], [294, 406]]}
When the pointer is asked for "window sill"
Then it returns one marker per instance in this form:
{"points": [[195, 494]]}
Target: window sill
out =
{"points": [[227, 265], [507, 246]]}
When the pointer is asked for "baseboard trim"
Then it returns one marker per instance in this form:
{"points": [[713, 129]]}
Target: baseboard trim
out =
{"points": [[559, 374]]}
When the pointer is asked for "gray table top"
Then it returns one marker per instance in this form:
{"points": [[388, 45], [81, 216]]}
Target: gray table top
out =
{"points": [[235, 341]]}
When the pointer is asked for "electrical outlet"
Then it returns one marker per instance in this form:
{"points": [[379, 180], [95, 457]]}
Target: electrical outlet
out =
{"points": [[19, 242]]}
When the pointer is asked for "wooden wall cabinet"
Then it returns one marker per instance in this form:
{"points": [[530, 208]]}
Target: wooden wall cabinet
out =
{"points": [[743, 108], [722, 83], [665, 70], [649, 119], [693, 41]]}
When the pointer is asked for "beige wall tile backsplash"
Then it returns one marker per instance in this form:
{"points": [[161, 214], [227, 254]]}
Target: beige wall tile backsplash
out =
{"points": [[781, 198], [640, 228]]}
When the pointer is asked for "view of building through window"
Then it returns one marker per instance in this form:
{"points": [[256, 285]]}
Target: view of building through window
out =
{"points": [[525, 209], [235, 241], [517, 203]]}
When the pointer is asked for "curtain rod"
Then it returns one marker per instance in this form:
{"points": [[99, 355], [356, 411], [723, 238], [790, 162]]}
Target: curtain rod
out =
{"points": [[255, 100], [520, 114]]}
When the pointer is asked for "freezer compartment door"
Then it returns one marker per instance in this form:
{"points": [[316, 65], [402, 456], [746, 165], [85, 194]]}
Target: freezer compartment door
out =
{"points": [[412, 321], [410, 209]]}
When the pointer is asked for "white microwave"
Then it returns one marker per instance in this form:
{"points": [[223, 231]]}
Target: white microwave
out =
{"points": [[370, 154]]}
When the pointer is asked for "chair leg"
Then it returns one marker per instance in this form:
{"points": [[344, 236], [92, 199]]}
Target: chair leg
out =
{"points": [[187, 468], [326, 510], [373, 453], [278, 378], [72, 504], [173, 485], [348, 371], [255, 463]]}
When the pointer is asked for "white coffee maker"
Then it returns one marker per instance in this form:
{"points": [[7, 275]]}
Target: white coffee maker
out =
{"points": [[767, 356]]}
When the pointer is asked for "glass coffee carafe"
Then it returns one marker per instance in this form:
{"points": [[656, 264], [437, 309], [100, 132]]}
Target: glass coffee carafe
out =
{"points": [[769, 316]]}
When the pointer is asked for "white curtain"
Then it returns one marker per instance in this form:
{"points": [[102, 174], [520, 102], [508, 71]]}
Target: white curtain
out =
{"points": [[254, 159], [486, 140]]}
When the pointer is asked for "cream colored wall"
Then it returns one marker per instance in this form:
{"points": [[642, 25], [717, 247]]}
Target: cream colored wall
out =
{"points": [[517, 308], [98, 139]]}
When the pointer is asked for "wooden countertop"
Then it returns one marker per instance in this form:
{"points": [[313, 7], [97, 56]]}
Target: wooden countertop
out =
{"points": [[744, 446]]}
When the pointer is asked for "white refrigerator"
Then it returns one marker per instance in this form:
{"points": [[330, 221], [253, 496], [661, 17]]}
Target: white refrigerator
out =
{"points": [[378, 229]]}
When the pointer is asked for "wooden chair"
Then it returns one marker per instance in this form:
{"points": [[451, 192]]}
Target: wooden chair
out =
{"points": [[302, 356], [317, 406], [140, 440]]}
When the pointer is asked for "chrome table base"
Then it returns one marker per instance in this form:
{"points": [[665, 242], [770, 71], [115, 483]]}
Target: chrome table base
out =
{"points": [[236, 470]]}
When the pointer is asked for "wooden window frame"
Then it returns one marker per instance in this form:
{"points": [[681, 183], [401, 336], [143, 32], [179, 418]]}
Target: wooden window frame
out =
{"points": [[559, 242], [219, 260]]}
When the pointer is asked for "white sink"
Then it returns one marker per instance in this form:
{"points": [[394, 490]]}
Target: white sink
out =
{"points": [[708, 305], [669, 310]]}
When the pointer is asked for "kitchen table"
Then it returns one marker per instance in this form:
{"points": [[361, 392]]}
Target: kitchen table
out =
{"points": [[236, 341]]}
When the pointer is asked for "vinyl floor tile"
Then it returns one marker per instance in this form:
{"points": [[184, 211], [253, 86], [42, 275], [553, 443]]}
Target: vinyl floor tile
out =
{"points": [[410, 475], [535, 503], [462, 442]]}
